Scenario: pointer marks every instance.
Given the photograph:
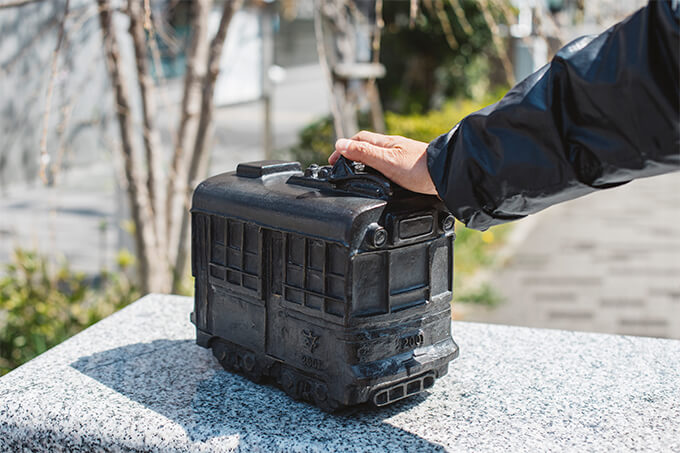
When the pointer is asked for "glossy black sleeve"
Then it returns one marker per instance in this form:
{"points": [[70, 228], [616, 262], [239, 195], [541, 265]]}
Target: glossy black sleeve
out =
{"points": [[604, 111]]}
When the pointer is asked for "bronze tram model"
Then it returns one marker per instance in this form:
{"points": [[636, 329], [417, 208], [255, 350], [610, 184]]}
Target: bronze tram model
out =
{"points": [[333, 282]]}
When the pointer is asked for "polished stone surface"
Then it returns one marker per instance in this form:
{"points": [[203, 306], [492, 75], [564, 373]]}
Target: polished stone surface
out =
{"points": [[137, 382]]}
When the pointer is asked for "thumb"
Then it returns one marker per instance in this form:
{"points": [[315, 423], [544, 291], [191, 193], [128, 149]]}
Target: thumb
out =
{"points": [[364, 152]]}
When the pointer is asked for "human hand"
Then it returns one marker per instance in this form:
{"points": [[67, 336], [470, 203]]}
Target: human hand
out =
{"points": [[400, 159]]}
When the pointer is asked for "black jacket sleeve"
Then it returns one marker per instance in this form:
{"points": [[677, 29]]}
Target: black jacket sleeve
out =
{"points": [[604, 111]]}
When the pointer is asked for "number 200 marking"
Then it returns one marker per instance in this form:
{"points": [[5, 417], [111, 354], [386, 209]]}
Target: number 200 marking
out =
{"points": [[411, 341], [311, 362]]}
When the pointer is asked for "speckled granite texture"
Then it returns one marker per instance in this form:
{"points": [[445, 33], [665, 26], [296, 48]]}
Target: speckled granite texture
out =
{"points": [[137, 382]]}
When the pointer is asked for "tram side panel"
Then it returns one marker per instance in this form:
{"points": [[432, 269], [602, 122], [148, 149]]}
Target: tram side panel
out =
{"points": [[304, 302], [229, 272]]}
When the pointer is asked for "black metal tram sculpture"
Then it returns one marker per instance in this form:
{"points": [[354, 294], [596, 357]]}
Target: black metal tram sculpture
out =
{"points": [[334, 282]]}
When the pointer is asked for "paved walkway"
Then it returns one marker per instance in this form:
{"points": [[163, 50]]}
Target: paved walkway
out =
{"points": [[607, 262]]}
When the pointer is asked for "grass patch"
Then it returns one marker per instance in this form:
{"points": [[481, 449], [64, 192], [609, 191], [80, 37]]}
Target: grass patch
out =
{"points": [[485, 295]]}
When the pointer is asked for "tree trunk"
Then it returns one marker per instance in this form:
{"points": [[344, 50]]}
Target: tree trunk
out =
{"points": [[336, 45], [187, 127], [204, 125], [154, 182], [340, 26], [138, 196], [161, 213]]}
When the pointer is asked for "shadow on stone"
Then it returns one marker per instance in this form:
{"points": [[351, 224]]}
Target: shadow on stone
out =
{"points": [[181, 381]]}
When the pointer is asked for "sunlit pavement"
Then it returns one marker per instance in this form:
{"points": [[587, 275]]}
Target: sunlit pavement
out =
{"points": [[608, 262]]}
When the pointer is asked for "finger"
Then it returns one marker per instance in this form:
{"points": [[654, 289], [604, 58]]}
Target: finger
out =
{"points": [[384, 141], [333, 157], [364, 152]]}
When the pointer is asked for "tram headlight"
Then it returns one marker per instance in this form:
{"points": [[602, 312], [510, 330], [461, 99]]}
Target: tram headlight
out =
{"points": [[447, 222], [376, 235]]}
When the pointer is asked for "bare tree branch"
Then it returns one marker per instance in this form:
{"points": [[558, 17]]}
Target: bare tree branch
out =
{"points": [[16, 3], [213, 70], [377, 114], [205, 120], [66, 111], [189, 112], [325, 66], [44, 156], [150, 27], [42, 30], [446, 24], [154, 182], [137, 193], [413, 14], [485, 7], [460, 16]]}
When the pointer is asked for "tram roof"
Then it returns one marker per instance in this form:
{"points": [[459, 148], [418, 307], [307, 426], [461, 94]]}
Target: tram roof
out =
{"points": [[270, 202]]}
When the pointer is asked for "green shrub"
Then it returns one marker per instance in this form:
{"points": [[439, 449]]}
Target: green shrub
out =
{"points": [[316, 143], [428, 126], [41, 307], [475, 250]]}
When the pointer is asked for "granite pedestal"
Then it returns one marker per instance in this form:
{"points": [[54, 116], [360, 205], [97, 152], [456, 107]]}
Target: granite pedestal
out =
{"points": [[137, 382]]}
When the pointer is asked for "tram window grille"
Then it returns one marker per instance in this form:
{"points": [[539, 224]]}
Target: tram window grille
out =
{"points": [[315, 274], [235, 257]]}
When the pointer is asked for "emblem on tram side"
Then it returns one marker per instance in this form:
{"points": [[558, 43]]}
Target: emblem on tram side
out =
{"points": [[311, 340]]}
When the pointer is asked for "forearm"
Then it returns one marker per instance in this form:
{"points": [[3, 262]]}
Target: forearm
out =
{"points": [[603, 112]]}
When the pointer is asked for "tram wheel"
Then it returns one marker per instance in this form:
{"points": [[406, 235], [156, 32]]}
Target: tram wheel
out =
{"points": [[289, 383], [251, 368], [222, 354]]}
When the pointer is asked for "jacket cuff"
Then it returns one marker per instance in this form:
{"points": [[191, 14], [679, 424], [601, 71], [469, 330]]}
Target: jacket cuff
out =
{"points": [[437, 161]]}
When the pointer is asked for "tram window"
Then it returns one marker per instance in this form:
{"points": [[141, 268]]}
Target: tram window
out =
{"points": [[337, 259], [335, 287], [315, 281], [314, 302], [251, 239], [335, 307], [250, 282], [316, 252], [234, 258], [296, 249], [251, 263], [218, 230], [235, 253], [315, 274], [235, 234], [217, 254], [294, 275]]}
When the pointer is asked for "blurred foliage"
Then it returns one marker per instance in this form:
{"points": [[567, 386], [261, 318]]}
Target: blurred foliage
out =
{"points": [[426, 127], [41, 306], [316, 140], [447, 52], [475, 250], [485, 294]]}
